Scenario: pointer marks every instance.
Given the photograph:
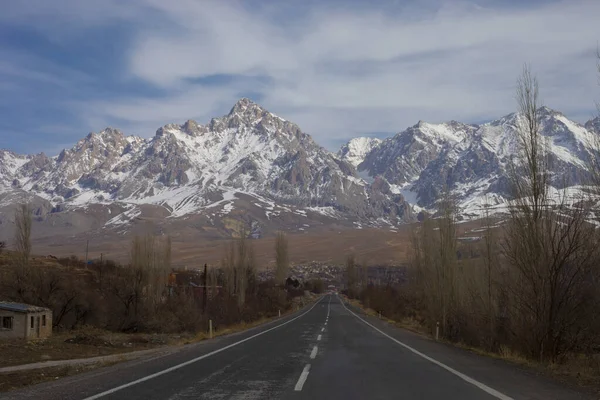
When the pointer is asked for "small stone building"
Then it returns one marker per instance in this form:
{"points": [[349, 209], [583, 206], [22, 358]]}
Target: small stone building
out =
{"points": [[24, 321]]}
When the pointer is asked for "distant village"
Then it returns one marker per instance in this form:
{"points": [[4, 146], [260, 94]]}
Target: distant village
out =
{"points": [[332, 276]]}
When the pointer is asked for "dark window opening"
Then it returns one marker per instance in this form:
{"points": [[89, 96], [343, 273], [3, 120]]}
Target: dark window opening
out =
{"points": [[7, 323], [31, 322], [44, 320]]}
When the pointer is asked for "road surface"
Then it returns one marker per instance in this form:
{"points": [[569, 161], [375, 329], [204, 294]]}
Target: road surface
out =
{"points": [[326, 351]]}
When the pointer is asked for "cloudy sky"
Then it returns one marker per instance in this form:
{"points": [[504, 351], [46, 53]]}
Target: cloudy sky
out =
{"points": [[337, 68]]}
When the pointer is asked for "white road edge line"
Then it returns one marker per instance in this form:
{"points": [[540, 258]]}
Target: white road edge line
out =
{"points": [[313, 353], [462, 376], [319, 337], [302, 378], [176, 367]]}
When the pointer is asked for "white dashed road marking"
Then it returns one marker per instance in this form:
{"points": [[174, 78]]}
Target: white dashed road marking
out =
{"points": [[193, 360], [313, 353], [302, 378]]}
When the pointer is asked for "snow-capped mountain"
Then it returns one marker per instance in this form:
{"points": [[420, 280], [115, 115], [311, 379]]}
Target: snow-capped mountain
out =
{"points": [[249, 159], [253, 166], [356, 149], [472, 160]]}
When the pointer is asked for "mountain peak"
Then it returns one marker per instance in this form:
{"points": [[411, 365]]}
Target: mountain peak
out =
{"points": [[110, 132], [243, 105], [107, 132], [546, 111]]}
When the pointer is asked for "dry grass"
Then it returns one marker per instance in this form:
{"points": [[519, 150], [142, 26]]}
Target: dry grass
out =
{"points": [[82, 343], [576, 369], [20, 379], [242, 326], [410, 324]]}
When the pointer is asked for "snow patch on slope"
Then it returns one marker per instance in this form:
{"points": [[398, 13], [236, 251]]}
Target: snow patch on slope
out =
{"points": [[356, 149]]}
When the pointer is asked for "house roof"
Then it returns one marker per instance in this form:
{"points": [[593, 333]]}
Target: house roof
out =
{"points": [[21, 307]]}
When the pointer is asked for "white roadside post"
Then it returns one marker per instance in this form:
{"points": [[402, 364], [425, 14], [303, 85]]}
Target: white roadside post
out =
{"points": [[210, 331], [437, 330]]}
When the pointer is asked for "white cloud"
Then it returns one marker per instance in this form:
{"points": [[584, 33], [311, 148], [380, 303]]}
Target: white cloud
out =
{"points": [[341, 72]]}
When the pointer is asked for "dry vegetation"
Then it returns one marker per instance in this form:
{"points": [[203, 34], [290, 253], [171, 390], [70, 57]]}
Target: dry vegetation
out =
{"points": [[137, 298], [19, 379], [81, 343]]}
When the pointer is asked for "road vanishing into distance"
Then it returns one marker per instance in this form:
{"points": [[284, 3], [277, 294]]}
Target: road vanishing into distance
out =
{"points": [[328, 350]]}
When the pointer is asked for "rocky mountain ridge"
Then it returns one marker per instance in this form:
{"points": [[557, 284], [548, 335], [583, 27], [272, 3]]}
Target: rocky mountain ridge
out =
{"points": [[252, 167], [472, 161], [247, 159]]}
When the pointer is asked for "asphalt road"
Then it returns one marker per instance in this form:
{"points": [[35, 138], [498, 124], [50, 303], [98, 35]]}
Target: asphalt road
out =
{"points": [[326, 351]]}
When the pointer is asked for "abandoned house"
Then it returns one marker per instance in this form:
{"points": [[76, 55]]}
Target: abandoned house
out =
{"points": [[24, 321]]}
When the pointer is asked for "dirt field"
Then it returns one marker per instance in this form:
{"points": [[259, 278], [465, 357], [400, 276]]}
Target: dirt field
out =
{"points": [[372, 246], [325, 244]]}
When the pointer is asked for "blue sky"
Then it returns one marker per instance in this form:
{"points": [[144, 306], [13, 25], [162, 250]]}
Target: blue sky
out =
{"points": [[337, 68]]}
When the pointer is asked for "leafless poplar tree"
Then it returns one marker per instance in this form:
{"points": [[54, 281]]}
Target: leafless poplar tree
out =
{"points": [[446, 267], [351, 275], [282, 262], [490, 258], [23, 223], [547, 244]]}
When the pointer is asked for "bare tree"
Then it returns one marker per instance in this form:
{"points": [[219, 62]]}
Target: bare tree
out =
{"points": [[228, 263], [282, 262], [446, 268], [351, 275], [427, 279], [364, 275], [212, 282], [548, 245], [149, 272], [241, 281], [530, 177], [523, 237], [239, 265], [490, 257], [23, 222]]}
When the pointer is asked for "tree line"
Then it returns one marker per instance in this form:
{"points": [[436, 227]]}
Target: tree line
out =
{"points": [[137, 296]]}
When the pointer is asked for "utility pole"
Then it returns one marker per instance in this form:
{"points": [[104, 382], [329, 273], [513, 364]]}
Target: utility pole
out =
{"points": [[205, 290]]}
